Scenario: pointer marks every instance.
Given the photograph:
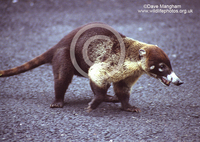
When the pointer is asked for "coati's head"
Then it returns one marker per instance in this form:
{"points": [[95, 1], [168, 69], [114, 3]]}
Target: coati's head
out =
{"points": [[156, 63]]}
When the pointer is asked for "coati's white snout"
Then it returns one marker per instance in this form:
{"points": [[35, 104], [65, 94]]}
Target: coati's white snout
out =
{"points": [[174, 79], [170, 78]]}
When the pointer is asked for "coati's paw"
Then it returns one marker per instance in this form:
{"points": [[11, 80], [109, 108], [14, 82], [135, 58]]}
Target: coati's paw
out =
{"points": [[132, 109], [91, 106], [57, 104], [89, 109], [109, 98]]}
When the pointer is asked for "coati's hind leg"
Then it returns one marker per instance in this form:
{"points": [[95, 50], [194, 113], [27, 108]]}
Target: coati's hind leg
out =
{"points": [[122, 91], [63, 72]]}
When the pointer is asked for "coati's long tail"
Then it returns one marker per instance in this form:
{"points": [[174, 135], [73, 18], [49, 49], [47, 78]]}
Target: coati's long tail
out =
{"points": [[40, 60]]}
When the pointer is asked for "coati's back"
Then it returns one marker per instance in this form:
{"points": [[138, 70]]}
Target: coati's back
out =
{"points": [[104, 46]]}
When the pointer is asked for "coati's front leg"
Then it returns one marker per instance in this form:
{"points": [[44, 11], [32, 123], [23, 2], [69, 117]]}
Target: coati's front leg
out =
{"points": [[63, 72], [122, 91], [99, 95]]}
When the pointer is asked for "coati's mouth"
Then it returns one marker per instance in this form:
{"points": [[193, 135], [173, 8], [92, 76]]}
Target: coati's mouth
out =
{"points": [[164, 80]]}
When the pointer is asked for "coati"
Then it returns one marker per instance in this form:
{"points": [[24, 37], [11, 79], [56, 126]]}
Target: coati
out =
{"points": [[106, 57]]}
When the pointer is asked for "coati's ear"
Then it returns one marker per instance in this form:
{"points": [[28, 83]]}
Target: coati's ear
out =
{"points": [[142, 52]]}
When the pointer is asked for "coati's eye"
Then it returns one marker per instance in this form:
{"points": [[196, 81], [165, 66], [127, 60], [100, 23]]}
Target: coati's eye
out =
{"points": [[161, 67]]}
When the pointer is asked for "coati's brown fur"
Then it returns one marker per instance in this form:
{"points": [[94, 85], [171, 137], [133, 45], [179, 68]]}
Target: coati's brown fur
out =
{"points": [[105, 54]]}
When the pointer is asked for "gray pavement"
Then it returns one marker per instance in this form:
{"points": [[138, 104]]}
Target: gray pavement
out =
{"points": [[169, 114]]}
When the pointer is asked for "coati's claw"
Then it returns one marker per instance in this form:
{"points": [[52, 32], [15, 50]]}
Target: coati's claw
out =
{"points": [[89, 109], [132, 109], [57, 104]]}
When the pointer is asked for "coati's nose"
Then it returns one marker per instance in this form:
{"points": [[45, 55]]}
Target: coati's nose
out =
{"points": [[174, 79], [179, 82]]}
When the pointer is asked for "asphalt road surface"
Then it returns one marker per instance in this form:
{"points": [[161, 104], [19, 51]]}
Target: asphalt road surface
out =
{"points": [[168, 114]]}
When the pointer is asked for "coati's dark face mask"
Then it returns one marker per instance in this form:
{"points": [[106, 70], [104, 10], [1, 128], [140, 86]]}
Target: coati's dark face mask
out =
{"points": [[164, 73], [158, 66]]}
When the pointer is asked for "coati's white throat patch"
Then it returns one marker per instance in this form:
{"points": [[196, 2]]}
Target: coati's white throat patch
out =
{"points": [[101, 73]]}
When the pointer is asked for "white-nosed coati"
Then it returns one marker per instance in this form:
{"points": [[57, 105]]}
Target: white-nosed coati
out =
{"points": [[104, 53]]}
